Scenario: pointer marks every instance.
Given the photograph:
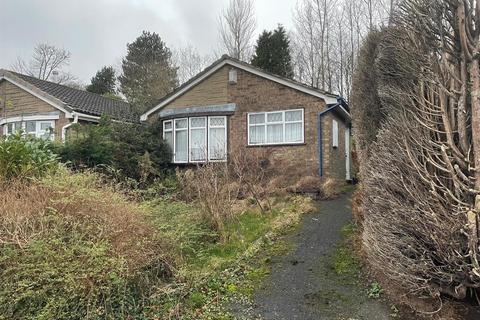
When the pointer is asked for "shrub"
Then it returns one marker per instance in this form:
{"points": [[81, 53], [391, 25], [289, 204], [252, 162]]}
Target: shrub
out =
{"points": [[73, 248], [131, 151], [209, 185], [22, 157]]}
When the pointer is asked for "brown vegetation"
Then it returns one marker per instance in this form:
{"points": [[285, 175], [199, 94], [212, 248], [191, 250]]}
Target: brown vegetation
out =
{"points": [[85, 206], [420, 187]]}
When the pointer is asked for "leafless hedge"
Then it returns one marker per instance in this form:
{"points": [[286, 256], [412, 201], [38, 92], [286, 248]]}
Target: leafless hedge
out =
{"points": [[421, 186]]}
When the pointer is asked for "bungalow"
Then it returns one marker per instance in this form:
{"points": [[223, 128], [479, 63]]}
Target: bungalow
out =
{"points": [[46, 110], [232, 105]]}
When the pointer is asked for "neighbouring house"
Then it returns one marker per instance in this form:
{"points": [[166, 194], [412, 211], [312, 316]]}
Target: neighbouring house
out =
{"points": [[46, 110], [232, 105]]}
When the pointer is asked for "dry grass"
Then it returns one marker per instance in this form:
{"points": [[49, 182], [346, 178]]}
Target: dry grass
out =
{"points": [[85, 205]]}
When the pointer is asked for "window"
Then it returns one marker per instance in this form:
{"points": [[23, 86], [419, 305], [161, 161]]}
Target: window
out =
{"points": [[168, 133], [12, 127], [38, 129], [217, 138], [335, 134], [277, 127], [181, 140], [197, 139]]}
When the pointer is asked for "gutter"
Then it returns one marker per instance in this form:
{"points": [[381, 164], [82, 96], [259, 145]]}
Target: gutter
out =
{"points": [[340, 103], [65, 127]]}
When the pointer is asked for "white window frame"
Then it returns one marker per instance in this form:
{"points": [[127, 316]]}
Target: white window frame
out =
{"points": [[334, 133], [266, 123], [175, 139], [173, 136], [226, 138], [207, 135], [190, 129], [23, 126]]}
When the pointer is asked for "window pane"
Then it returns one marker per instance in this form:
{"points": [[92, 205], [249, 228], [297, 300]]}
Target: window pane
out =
{"points": [[217, 143], [10, 128], [217, 122], [168, 125], [274, 133], [45, 130], [30, 126], [293, 115], [181, 146], [335, 133], [197, 122], [180, 124], [198, 145], [274, 117], [257, 118], [168, 136], [257, 134], [293, 132]]}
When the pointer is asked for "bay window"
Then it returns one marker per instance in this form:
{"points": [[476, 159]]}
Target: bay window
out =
{"points": [[276, 127], [197, 139], [42, 129]]}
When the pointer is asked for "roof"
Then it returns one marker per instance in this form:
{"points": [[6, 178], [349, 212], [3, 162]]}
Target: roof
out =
{"points": [[73, 100], [226, 60]]}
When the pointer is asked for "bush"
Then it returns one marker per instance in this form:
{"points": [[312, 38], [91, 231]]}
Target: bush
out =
{"points": [[73, 248], [131, 151], [22, 157]]}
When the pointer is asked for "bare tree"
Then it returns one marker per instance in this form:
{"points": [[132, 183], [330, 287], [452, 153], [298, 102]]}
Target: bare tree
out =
{"points": [[324, 50], [237, 25], [189, 62], [46, 63]]}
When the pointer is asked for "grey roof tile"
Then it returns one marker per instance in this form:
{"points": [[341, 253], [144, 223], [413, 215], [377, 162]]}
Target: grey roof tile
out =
{"points": [[84, 101]]}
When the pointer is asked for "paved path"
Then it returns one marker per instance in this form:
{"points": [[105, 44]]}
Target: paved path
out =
{"points": [[299, 287]]}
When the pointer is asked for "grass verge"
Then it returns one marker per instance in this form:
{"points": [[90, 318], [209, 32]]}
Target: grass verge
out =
{"points": [[213, 274]]}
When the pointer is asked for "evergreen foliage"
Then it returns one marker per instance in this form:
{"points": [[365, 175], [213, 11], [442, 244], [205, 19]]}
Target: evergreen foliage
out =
{"points": [[103, 82], [272, 53], [147, 71]]}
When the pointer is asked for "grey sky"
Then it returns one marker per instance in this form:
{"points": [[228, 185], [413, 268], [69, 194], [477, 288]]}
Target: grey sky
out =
{"points": [[96, 31]]}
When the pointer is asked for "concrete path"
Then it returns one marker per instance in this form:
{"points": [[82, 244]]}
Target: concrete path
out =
{"points": [[300, 285]]}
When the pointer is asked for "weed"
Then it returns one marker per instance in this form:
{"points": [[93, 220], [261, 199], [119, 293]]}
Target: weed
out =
{"points": [[374, 291]]}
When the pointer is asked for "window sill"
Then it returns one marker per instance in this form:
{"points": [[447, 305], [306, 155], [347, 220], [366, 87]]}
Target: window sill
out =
{"points": [[276, 145]]}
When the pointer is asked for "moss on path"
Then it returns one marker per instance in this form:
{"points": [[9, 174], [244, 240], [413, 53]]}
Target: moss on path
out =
{"points": [[320, 278]]}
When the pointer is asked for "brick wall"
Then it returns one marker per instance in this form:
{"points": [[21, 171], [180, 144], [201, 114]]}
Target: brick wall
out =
{"points": [[21, 103], [252, 93], [210, 91]]}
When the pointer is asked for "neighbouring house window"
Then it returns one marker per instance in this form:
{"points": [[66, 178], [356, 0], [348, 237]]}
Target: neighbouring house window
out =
{"points": [[197, 139], [335, 134], [42, 129], [12, 127], [277, 127]]}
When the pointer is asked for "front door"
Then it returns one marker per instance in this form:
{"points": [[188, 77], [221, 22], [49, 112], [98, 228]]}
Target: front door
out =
{"points": [[347, 154]]}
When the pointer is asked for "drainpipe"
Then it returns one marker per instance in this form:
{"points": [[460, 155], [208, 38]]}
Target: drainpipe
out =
{"points": [[320, 134], [65, 127]]}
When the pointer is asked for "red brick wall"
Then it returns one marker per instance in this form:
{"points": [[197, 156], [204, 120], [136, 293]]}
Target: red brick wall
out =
{"points": [[252, 93]]}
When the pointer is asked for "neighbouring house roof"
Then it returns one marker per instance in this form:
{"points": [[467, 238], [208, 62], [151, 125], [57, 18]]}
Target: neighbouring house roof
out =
{"points": [[72, 100], [226, 60]]}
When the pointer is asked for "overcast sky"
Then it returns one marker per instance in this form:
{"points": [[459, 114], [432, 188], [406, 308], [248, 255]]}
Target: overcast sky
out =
{"points": [[96, 31]]}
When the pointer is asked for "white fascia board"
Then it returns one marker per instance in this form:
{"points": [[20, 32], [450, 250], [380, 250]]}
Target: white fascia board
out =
{"points": [[87, 117], [329, 99], [346, 112], [29, 118], [58, 106]]}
